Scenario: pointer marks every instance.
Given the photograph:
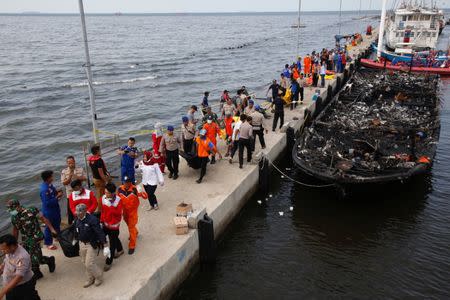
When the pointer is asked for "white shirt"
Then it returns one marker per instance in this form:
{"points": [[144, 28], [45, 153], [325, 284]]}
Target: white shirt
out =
{"points": [[151, 175], [237, 126]]}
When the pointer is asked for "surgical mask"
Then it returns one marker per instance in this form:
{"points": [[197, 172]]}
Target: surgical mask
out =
{"points": [[209, 121], [13, 212], [77, 193]]}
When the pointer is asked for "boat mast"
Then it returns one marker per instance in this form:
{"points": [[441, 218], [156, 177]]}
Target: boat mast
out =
{"points": [[340, 14], [89, 73], [381, 32], [298, 29]]}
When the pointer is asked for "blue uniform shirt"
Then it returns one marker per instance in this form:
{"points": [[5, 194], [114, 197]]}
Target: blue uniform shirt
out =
{"points": [[127, 160], [205, 102], [287, 73], [48, 196]]}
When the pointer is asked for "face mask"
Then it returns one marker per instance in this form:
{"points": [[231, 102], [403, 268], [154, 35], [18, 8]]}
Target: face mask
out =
{"points": [[209, 121], [13, 213], [77, 193]]}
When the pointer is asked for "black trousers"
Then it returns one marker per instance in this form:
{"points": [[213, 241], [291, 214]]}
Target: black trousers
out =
{"points": [[234, 148], [150, 190], [245, 143], [114, 243], [69, 212], [294, 100], [26, 291], [278, 115], [301, 93], [187, 145], [203, 164], [172, 161], [260, 134], [315, 79]]}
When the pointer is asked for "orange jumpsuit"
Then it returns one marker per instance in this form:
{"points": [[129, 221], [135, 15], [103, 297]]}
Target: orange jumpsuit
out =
{"points": [[212, 130], [307, 64], [295, 74], [130, 201]]}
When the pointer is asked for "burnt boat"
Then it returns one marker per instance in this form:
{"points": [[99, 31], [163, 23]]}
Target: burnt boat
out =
{"points": [[381, 127]]}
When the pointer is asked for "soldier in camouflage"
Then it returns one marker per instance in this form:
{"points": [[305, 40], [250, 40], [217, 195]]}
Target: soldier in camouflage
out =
{"points": [[26, 221]]}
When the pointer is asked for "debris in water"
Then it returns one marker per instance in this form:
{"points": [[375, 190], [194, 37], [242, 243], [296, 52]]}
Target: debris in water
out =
{"points": [[259, 201], [270, 196], [281, 213], [282, 176], [291, 208]]}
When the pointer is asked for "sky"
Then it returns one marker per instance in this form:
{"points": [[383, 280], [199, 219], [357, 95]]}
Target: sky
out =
{"points": [[171, 6]]}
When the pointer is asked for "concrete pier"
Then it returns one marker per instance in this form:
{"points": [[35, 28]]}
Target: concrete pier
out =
{"points": [[162, 259]]}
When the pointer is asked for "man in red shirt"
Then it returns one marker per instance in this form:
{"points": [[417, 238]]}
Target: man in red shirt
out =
{"points": [[110, 218], [81, 195]]}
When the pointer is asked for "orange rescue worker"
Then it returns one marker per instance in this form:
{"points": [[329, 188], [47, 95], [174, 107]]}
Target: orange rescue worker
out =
{"points": [[129, 197], [307, 64], [212, 130], [205, 147]]}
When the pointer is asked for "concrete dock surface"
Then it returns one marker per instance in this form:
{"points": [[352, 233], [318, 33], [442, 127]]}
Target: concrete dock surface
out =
{"points": [[162, 259]]}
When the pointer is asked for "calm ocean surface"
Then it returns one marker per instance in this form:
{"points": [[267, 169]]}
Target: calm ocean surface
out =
{"points": [[396, 246]]}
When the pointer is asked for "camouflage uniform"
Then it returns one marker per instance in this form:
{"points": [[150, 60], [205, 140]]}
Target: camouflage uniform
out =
{"points": [[27, 222]]}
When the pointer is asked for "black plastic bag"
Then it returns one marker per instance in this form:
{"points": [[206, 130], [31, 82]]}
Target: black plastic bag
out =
{"points": [[66, 239]]}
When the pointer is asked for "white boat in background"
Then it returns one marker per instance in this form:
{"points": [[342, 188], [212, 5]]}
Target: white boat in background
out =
{"points": [[413, 25]]}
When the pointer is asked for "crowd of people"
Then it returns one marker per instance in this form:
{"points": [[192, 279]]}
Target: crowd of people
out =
{"points": [[95, 216]]}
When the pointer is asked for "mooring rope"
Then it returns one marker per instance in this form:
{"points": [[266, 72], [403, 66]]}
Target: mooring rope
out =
{"points": [[294, 180]]}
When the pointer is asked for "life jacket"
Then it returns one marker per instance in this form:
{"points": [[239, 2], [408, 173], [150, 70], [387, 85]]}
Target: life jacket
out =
{"points": [[204, 147], [87, 198], [129, 197], [111, 213]]}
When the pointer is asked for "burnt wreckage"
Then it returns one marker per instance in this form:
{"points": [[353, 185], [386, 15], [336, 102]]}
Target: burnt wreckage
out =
{"points": [[379, 128]]}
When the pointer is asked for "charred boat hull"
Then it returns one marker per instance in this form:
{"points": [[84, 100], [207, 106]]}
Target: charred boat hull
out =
{"points": [[379, 128]]}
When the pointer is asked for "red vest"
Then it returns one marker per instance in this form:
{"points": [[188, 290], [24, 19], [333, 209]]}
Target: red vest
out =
{"points": [[111, 213], [87, 197]]}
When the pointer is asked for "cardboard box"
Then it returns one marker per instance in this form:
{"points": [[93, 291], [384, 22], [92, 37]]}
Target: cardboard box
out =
{"points": [[183, 209], [181, 224]]}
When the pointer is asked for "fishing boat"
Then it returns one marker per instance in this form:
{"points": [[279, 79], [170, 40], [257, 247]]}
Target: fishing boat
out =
{"points": [[406, 55], [443, 71], [414, 25], [298, 26], [379, 128]]}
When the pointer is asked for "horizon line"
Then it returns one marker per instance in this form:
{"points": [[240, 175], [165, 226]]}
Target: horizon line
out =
{"points": [[181, 12]]}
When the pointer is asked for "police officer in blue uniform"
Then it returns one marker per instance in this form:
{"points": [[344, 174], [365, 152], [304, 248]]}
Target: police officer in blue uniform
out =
{"points": [[50, 206], [129, 153]]}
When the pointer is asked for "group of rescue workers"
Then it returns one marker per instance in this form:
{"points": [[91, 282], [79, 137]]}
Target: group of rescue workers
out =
{"points": [[95, 216]]}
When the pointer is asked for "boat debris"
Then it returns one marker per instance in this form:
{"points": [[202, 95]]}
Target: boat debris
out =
{"points": [[380, 127]]}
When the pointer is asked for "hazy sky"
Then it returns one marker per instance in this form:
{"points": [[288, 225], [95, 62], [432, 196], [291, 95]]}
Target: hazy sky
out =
{"points": [[158, 6]]}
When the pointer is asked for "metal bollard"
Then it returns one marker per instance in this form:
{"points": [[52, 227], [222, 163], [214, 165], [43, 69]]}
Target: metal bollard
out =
{"points": [[207, 244]]}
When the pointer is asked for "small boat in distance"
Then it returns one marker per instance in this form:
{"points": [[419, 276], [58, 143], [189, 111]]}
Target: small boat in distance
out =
{"points": [[297, 26]]}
